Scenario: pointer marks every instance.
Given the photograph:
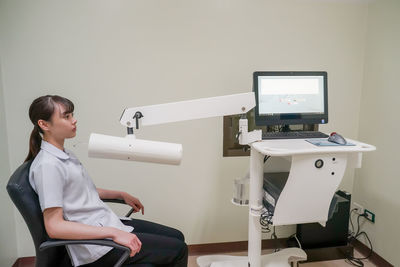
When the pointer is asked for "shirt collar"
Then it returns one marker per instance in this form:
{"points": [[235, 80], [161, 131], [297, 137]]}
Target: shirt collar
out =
{"points": [[46, 146]]}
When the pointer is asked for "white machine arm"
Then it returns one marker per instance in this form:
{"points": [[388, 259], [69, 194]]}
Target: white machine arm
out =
{"points": [[130, 148], [189, 110]]}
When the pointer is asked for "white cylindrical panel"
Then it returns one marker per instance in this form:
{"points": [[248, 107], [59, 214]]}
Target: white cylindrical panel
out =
{"points": [[255, 202], [125, 148]]}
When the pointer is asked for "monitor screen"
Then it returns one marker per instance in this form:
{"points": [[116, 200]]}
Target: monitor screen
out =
{"points": [[290, 97]]}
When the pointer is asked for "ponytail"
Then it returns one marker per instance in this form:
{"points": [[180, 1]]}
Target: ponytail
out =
{"points": [[35, 142]]}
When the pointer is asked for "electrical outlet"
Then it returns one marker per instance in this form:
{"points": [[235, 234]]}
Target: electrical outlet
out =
{"points": [[369, 215], [360, 209]]}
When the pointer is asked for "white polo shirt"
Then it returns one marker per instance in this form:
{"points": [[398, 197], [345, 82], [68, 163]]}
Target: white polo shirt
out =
{"points": [[60, 180]]}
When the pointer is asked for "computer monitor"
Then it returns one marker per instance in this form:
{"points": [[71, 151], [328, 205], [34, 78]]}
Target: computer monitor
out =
{"points": [[290, 97]]}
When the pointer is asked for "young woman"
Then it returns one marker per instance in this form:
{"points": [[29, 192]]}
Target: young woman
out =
{"points": [[72, 206]]}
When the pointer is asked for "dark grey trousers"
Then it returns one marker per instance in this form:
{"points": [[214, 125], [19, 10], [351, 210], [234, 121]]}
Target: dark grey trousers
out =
{"points": [[161, 246]]}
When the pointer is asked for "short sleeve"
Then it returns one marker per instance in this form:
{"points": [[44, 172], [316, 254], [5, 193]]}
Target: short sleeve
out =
{"points": [[49, 180]]}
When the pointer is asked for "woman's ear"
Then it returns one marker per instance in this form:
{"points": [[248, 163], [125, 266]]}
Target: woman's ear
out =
{"points": [[44, 125]]}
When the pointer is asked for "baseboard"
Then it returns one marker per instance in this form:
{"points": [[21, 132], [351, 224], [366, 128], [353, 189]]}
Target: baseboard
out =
{"points": [[25, 262], [226, 247]]}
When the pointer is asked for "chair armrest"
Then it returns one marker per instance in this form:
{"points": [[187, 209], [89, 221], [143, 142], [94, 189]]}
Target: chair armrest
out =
{"points": [[103, 242], [114, 200], [120, 201]]}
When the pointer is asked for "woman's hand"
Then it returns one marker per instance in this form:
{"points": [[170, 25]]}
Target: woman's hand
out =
{"points": [[133, 202], [128, 240], [130, 200]]}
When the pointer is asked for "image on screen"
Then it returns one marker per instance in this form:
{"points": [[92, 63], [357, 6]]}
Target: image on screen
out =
{"points": [[290, 94]]}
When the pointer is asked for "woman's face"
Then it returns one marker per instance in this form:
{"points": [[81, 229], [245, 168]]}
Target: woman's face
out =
{"points": [[62, 125]]}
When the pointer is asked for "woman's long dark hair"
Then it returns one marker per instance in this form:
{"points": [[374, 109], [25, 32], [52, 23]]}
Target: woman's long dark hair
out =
{"points": [[42, 108]]}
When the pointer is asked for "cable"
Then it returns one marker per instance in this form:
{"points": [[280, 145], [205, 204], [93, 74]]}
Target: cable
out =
{"points": [[273, 236], [298, 242], [351, 222], [266, 220], [370, 244], [353, 260], [294, 235]]}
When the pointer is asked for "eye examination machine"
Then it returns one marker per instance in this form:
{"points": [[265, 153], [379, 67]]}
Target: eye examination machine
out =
{"points": [[282, 101]]}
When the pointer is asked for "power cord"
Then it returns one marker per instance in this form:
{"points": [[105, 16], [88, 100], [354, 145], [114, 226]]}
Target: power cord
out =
{"points": [[266, 220], [354, 236], [298, 242], [294, 235], [351, 222], [274, 236]]}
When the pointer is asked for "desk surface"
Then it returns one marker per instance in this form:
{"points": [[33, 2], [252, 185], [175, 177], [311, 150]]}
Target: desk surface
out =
{"points": [[288, 147]]}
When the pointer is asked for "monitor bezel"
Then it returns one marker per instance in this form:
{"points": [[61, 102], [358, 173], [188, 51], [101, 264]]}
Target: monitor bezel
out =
{"points": [[290, 118]]}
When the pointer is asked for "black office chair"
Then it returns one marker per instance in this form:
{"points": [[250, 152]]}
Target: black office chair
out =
{"points": [[49, 252]]}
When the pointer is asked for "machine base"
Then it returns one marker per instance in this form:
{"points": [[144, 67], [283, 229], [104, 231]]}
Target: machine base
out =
{"points": [[282, 258]]}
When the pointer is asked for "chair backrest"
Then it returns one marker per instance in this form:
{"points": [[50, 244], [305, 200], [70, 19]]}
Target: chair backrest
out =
{"points": [[27, 202]]}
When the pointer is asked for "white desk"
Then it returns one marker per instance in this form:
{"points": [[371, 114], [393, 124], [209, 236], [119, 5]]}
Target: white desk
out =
{"points": [[304, 199], [308, 191]]}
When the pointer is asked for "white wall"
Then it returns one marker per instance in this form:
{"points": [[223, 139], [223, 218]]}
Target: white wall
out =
{"points": [[377, 184], [108, 55], [8, 251]]}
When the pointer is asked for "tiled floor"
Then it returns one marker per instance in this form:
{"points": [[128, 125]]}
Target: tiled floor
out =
{"points": [[335, 263]]}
